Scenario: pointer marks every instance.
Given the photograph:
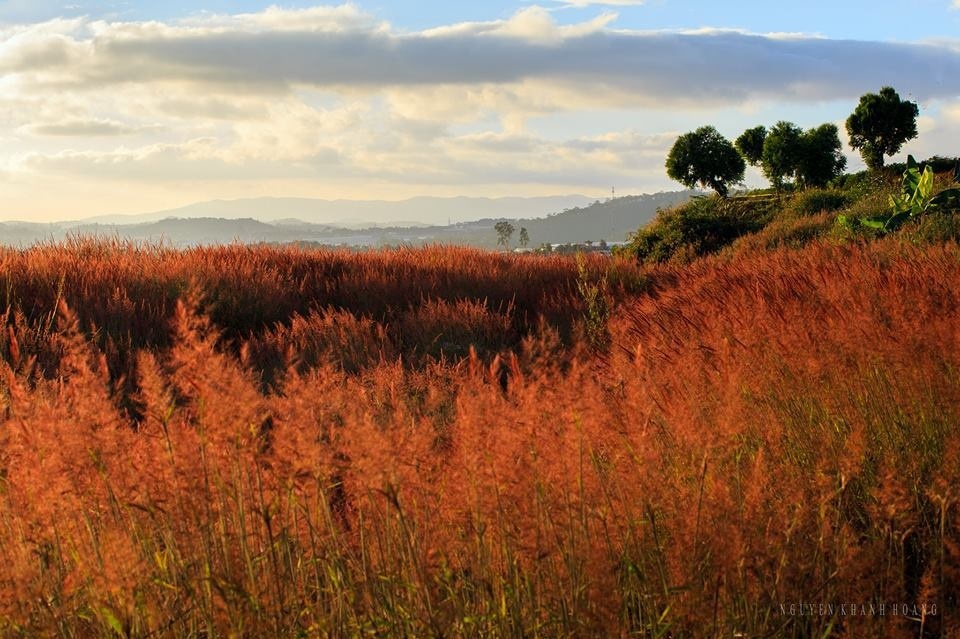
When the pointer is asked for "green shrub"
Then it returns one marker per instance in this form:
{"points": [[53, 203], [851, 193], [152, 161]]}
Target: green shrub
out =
{"points": [[932, 229], [916, 198], [849, 228], [869, 202], [700, 227], [815, 201], [941, 164], [937, 164]]}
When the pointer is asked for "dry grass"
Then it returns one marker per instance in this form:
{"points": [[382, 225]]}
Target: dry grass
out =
{"points": [[313, 448]]}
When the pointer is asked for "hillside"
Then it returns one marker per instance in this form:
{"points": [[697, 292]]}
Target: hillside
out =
{"points": [[354, 214], [611, 221], [862, 207]]}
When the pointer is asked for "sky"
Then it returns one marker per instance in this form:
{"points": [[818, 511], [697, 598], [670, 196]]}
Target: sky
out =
{"points": [[121, 106]]}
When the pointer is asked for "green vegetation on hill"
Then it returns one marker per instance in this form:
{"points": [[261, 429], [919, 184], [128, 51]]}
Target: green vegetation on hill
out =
{"points": [[702, 226], [847, 210], [812, 196]]}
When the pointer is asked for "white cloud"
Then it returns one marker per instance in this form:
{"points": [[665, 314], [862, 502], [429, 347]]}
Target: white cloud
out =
{"points": [[330, 19], [436, 160], [43, 46], [535, 24], [723, 67], [196, 160], [579, 4], [87, 128], [334, 102], [339, 48], [293, 131]]}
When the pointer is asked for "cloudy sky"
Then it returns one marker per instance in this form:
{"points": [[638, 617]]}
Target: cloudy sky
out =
{"points": [[112, 106]]}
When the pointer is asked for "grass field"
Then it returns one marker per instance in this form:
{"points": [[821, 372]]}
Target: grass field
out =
{"points": [[241, 442]]}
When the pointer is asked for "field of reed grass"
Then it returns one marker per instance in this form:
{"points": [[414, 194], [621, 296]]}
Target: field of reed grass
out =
{"points": [[264, 442]]}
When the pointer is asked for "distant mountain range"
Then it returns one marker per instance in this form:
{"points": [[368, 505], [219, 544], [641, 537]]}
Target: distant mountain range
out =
{"points": [[418, 211], [556, 220]]}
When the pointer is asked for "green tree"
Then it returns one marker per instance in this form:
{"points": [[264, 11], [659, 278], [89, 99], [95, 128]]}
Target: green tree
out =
{"points": [[750, 144], [504, 231], [880, 125], [524, 237], [706, 158], [821, 156], [781, 153]]}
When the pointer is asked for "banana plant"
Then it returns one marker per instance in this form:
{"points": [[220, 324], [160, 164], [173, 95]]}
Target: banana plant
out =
{"points": [[916, 198]]}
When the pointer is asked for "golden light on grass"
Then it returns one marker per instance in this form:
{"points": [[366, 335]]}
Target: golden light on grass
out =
{"points": [[269, 442]]}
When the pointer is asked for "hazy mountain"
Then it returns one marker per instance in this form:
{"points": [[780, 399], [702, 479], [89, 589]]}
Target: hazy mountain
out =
{"points": [[611, 220], [191, 231], [360, 213]]}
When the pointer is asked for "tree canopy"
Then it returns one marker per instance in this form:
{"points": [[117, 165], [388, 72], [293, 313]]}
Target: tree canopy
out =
{"points": [[504, 231], [880, 125], [781, 152], [705, 158], [821, 156], [811, 158], [750, 144]]}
